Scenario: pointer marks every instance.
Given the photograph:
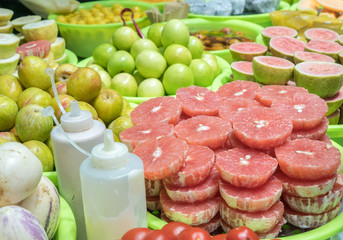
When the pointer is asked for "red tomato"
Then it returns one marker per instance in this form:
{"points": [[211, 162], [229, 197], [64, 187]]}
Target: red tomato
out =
{"points": [[157, 235], [175, 228], [219, 237], [241, 233], [136, 234], [194, 233]]}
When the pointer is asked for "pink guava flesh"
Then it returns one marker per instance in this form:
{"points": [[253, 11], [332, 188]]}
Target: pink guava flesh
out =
{"points": [[320, 68], [287, 45], [275, 61], [312, 56], [243, 66], [278, 31], [324, 46], [248, 47], [321, 34]]}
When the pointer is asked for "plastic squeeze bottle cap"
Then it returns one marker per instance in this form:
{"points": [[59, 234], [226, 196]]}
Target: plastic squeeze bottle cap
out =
{"points": [[76, 120], [109, 154]]}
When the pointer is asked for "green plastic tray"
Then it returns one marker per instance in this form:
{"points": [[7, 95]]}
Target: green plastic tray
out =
{"points": [[261, 19], [250, 30], [83, 39]]}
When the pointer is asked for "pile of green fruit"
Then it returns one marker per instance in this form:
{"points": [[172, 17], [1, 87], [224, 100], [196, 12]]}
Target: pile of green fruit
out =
{"points": [[169, 58]]}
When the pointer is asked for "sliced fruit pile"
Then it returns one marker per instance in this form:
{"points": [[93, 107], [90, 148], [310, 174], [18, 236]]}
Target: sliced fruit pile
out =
{"points": [[224, 158]]}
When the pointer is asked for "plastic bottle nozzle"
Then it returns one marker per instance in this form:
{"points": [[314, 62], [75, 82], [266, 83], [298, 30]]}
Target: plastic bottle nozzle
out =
{"points": [[51, 73], [75, 109], [109, 140]]}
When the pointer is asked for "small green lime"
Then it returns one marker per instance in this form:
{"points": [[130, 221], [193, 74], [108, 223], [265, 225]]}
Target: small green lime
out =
{"points": [[102, 53]]}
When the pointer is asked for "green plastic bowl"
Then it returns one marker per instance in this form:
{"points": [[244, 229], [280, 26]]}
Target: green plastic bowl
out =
{"points": [[71, 57], [260, 19], [83, 39], [250, 30]]}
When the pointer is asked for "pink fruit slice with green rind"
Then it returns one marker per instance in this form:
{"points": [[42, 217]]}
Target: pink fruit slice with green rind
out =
{"points": [[251, 199], [308, 159], [242, 70], [305, 220], [137, 134], [160, 109], [334, 102], [305, 188], [246, 51], [285, 47], [267, 94], [329, 48], [262, 221], [274, 232], [204, 190], [190, 213], [306, 110], [271, 70], [158, 160], [322, 78], [321, 34], [231, 106], [277, 31], [39, 48], [302, 56], [153, 188], [334, 118], [315, 133], [238, 89], [204, 130], [248, 168], [196, 168], [262, 128], [319, 204], [198, 101]]}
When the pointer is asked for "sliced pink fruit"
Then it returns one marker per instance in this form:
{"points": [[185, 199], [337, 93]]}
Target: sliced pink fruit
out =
{"points": [[319, 204], [153, 203], [245, 167], [40, 48], [238, 89], [251, 199], [277, 31], [306, 110], [196, 168], [246, 51], [274, 232], [160, 109], [190, 213], [262, 221], [198, 101], [162, 157], [204, 130], [329, 48], [285, 47], [266, 95], [153, 188], [137, 134], [262, 128], [308, 159], [315, 133], [305, 188], [231, 106], [234, 142], [205, 190], [321, 34], [325, 138], [305, 220], [302, 56]]}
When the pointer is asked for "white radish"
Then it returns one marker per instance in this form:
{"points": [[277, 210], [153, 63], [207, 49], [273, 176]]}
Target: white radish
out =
{"points": [[20, 173], [44, 204]]}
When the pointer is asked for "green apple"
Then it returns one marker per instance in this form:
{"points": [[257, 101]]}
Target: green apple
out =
{"points": [[125, 84], [10, 86], [32, 125], [61, 88], [139, 78], [150, 87], [85, 106], [175, 32], [34, 95], [176, 76], [140, 45], [124, 37], [195, 47], [96, 67], [176, 53], [65, 100], [212, 61], [202, 72], [120, 124], [154, 33], [8, 113], [108, 104], [105, 79], [31, 73], [8, 137], [120, 61], [150, 64], [63, 71], [43, 153], [84, 84], [102, 53]]}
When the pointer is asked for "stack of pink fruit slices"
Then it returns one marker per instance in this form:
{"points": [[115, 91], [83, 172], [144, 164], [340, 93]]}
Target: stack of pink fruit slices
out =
{"points": [[223, 159]]}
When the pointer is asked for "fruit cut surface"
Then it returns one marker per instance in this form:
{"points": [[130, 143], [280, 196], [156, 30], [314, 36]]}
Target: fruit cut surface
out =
{"points": [[198, 101], [324, 46], [243, 66], [160, 109], [302, 56], [321, 34], [246, 51], [245, 167], [238, 89], [40, 48], [285, 46], [158, 159], [279, 31], [315, 133], [204, 130], [251, 199], [196, 168], [308, 159]]}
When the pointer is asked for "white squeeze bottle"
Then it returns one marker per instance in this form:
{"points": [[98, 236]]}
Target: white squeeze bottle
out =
{"points": [[80, 127], [113, 191]]}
